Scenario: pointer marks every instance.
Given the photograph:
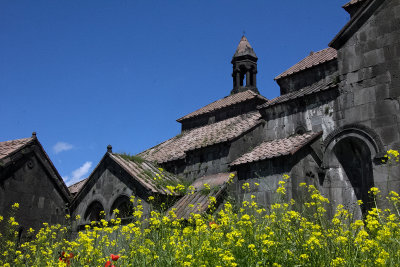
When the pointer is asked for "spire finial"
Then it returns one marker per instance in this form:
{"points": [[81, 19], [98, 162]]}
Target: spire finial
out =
{"points": [[109, 149], [33, 134]]}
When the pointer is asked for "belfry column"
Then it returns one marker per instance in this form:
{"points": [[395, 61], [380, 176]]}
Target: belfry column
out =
{"points": [[237, 79], [248, 78]]}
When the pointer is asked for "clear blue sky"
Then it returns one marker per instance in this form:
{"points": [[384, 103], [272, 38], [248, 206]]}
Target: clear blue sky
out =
{"points": [[84, 74]]}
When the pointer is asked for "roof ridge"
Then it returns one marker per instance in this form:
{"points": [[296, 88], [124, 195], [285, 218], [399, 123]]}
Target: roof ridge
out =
{"points": [[312, 60], [222, 131], [305, 91], [219, 103]]}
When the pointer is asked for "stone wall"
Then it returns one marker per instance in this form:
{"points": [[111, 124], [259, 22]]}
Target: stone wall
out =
{"points": [[327, 72], [369, 68], [301, 167], [28, 183], [311, 113], [108, 184], [215, 159]]}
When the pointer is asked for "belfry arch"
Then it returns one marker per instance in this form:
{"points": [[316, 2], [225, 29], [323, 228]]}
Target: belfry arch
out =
{"points": [[350, 153]]}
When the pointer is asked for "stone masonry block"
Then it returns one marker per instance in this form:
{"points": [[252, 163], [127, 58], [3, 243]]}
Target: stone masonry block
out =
{"points": [[374, 57], [364, 96]]}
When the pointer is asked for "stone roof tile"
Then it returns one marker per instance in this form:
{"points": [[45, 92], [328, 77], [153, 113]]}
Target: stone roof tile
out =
{"points": [[308, 90], [224, 102], [314, 59], [197, 203], [9, 147], [276, 148], [147, 174], [76, 187], [219, 132]]}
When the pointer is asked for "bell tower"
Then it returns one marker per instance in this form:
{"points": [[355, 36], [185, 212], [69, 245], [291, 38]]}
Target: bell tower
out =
{"points": [[244, 72]]}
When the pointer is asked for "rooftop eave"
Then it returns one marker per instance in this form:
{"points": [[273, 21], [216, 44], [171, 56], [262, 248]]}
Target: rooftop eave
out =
{"points": [[279, 77], [355, 23]]}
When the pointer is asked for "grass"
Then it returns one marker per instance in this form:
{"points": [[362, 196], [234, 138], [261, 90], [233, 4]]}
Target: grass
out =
{"points": [[136, 159]]}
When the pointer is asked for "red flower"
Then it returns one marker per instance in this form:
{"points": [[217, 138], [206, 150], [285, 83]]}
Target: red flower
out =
{"points": [[213, 223], [114, 257], [108, 264], [66, 258]]}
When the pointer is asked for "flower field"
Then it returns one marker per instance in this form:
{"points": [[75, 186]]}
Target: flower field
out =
{"points": [[284, 234]]}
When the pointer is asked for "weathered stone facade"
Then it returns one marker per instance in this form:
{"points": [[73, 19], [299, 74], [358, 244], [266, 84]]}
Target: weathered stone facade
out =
{"points": [[112, 184], [28, 177], [349, 92]]}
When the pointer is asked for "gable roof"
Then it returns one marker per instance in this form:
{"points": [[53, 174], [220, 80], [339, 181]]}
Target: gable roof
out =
{"points": [[224, 102], [308, 90], [356, 21], [198, 202], [276, 148], [138, 169], [314, 59], [219, 132], [145, 173], [10, 148]]}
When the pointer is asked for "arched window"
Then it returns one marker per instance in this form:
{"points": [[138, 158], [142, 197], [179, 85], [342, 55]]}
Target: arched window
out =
{"points": [[93, 212], [124, 206], [355, 158]]}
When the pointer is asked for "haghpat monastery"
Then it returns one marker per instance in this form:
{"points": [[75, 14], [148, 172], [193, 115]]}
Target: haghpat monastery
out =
{"points": [[337, 114]]}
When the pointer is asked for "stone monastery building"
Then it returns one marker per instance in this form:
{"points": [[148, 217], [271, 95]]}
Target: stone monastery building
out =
{"points": [[337, 114]]}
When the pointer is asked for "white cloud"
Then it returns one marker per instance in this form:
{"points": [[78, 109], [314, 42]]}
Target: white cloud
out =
{"points": [[62, 146], [78, 174]]}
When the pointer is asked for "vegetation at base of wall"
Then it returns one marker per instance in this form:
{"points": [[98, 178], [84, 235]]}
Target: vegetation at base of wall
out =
{"points": [[286, 233]]}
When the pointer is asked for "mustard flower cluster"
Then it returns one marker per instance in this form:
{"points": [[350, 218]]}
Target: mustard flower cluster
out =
{"points": [[286, 233]]}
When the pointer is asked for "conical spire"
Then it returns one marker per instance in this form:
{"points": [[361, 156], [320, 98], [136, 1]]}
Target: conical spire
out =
{"points": [[244, 48]]}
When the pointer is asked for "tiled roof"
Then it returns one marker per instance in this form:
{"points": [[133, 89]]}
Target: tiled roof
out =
{"points": [[276, 148], [224, 102], [198, 202], [145, 172], [312, 89], [353, 2], [244, 48], [314, 59], [75, 188], [8, 147], [222, 131]]}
